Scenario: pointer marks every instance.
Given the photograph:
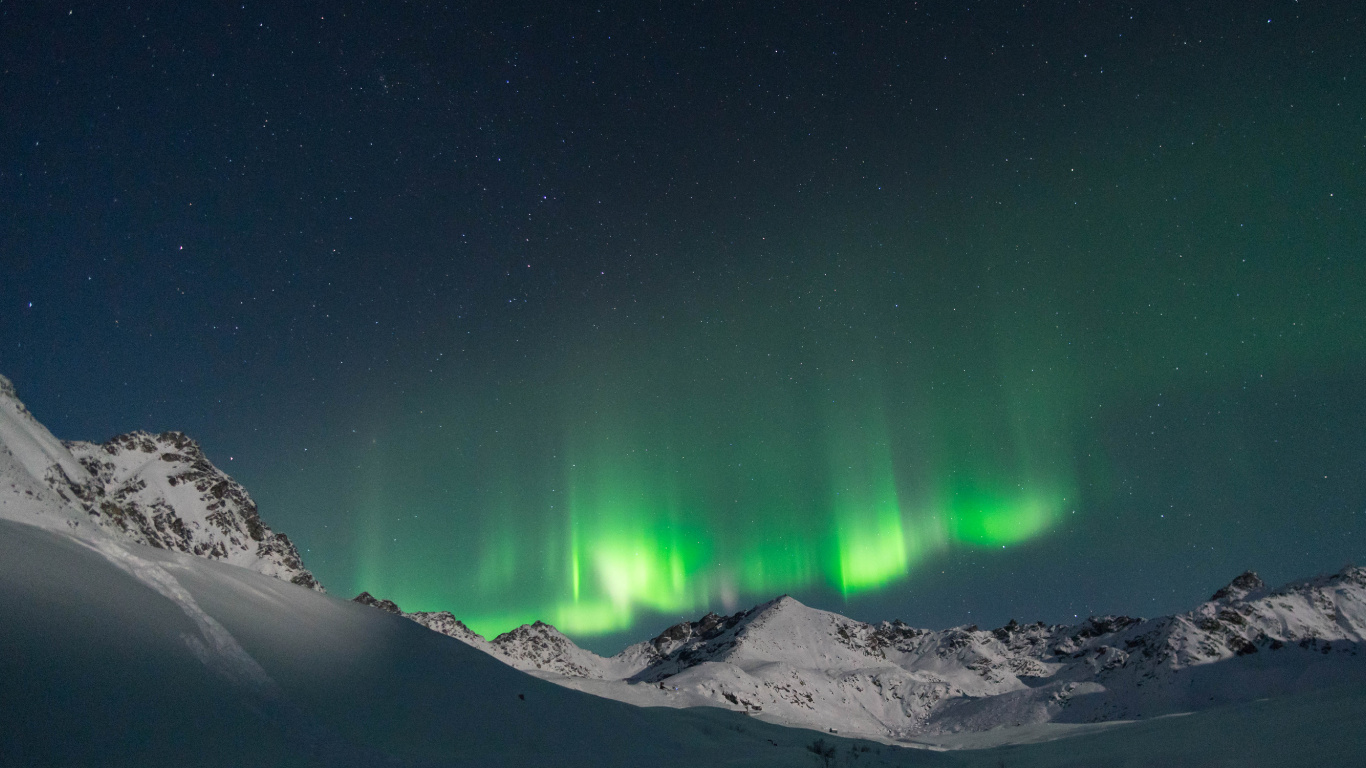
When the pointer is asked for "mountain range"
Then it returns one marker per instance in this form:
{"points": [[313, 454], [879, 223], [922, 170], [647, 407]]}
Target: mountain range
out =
{"points": [[158, 511], [787, 663]]}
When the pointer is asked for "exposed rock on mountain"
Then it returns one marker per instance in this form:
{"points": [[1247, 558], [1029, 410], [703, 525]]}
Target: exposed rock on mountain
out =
{"points": [[159, 490], [439, 621], [389, 606]]}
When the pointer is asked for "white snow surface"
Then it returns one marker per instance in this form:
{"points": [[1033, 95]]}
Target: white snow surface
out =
{"points": [[117, 654], [158, 490]]}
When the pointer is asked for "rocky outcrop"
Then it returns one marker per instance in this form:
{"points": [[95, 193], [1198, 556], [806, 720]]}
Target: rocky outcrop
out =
{"points": [[437, 621], [388, 606]]}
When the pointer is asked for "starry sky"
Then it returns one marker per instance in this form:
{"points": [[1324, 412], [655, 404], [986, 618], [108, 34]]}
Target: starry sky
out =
{"points": [[609, 315]]}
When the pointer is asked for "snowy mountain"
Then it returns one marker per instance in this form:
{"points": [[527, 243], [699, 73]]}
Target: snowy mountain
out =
{"points": [[157, 490], [149, 617], [787, 663], [537, 648]]}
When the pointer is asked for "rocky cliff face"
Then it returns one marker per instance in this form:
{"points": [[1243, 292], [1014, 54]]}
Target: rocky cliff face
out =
{"points": [[158, 490]]}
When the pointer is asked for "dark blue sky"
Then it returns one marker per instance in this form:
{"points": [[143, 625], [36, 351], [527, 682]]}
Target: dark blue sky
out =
{"points": [[610, 315]]}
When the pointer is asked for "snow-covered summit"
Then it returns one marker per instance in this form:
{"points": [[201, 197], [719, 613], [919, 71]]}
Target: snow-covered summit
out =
{"points": [[154, 489], [543, 648], [779, 631], [1241, 587]]}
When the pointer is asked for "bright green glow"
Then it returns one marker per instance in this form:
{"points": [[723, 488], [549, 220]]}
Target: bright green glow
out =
{"points": [[995, 518], [870, 542], [574, 570], [492, 625], [872, 557], [629, 544], [633, 525], [641, 570], [656, 485], [594, 618]]}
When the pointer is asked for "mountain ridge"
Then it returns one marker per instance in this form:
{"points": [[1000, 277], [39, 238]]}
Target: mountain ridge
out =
{"points": [[792, 664]]}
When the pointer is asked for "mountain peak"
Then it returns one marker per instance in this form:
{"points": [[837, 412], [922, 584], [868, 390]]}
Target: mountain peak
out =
{"points": [[157, 490], [365, 598], [1241, 586], [537, 628], [1352, 573], [171, 445], [543, 647]]}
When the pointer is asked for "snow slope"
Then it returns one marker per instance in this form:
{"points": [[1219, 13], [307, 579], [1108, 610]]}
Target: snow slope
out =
{"points": [[118, 654], [150, 489], [114, 653]]}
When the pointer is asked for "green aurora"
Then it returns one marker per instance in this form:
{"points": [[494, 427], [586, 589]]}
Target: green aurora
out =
{"points": [[1049, 339], [730, 462], [647, 524], [837, 427]]}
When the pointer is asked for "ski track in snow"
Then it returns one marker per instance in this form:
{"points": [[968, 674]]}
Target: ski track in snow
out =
{"points": [[214, 646]]}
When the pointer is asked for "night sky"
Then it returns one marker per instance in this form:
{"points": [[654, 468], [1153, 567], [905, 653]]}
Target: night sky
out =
{"points": [[612, 315]]}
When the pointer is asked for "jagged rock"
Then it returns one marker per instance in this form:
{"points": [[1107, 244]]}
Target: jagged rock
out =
{"points": [[542, 647], [447, 624]]}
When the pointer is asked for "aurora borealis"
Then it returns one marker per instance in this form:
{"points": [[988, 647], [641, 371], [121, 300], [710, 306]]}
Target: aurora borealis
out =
{"points": [[607, 316]]}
